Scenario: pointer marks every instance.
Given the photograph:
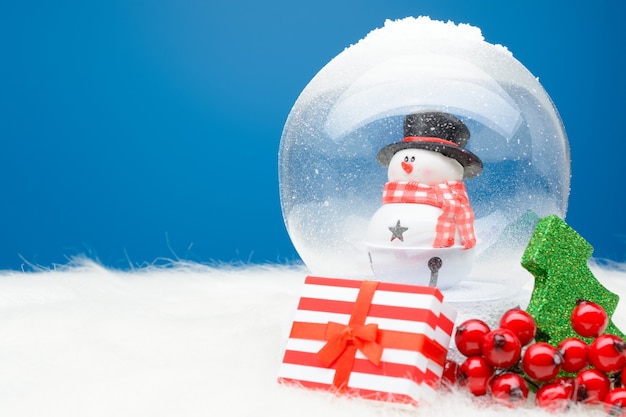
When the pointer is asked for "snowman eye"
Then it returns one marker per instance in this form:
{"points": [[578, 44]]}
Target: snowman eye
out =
{"points": [[406, 159], [412, 159]]}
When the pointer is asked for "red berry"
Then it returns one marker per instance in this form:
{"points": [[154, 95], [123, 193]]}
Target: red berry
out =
{"points": [[450, 372], [574, 352], [623, 377], [521, 323], [606, 353], [469, 337], [475, 374], [589, 319], [509, 389], [615, 402], [501, 348], [593, 385], [557, 395], [541, 361]]}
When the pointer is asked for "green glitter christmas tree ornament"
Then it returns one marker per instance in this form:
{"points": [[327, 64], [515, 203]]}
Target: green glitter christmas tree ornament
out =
{"points": [[557, 257]]}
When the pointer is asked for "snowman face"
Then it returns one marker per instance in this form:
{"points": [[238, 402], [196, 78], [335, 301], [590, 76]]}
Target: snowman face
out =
{"points": [[423, 166]]}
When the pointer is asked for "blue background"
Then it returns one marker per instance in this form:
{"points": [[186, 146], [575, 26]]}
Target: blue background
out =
{"points": [[135, 131]]}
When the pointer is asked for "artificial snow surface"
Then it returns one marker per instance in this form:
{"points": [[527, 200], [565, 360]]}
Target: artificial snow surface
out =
{"points": [[187, 340]]}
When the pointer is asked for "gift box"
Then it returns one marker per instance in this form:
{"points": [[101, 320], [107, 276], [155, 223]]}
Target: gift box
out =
{"points": [[376, 340]]}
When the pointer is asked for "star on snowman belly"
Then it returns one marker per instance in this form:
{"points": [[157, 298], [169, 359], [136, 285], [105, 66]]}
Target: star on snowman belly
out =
{"points": [[426, 211], [397, 231]]}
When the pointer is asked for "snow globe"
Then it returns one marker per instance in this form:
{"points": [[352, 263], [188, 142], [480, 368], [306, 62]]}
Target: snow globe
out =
{"points": [[512, 155]]}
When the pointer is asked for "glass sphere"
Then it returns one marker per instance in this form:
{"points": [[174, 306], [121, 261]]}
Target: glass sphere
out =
{"points": [[329, 177]]}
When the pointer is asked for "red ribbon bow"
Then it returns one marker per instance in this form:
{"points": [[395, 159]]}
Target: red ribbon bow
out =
{"points": [[344, 340], [339, 336]]}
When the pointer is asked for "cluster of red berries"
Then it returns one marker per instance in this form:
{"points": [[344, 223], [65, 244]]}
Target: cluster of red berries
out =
{"points": [[503, 363]]}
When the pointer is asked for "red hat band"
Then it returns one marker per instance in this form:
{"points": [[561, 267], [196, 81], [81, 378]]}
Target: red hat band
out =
{"points": [[428, 139]]}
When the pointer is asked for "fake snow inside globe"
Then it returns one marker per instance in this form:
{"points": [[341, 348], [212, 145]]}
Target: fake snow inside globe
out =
{"points": [[346, 138]]}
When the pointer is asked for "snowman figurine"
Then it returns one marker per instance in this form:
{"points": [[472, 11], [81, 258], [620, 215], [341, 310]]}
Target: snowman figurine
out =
{"points": [[423, 233]]}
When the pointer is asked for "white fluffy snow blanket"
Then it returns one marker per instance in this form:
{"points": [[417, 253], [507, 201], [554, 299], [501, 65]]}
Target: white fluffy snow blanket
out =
{"points": [[186, 340]]}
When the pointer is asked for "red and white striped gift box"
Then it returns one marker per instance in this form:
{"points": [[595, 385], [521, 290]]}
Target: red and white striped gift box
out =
{"points": [[376, 340]]}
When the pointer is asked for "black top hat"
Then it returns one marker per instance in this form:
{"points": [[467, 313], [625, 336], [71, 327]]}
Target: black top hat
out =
{"points": [[438, 132]]}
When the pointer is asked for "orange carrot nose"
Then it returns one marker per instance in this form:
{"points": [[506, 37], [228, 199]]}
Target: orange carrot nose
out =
{"points": [[408, 168]]}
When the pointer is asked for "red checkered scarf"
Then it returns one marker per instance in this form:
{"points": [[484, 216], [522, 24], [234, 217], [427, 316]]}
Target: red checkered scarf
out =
{"points": [[450, 196]]}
